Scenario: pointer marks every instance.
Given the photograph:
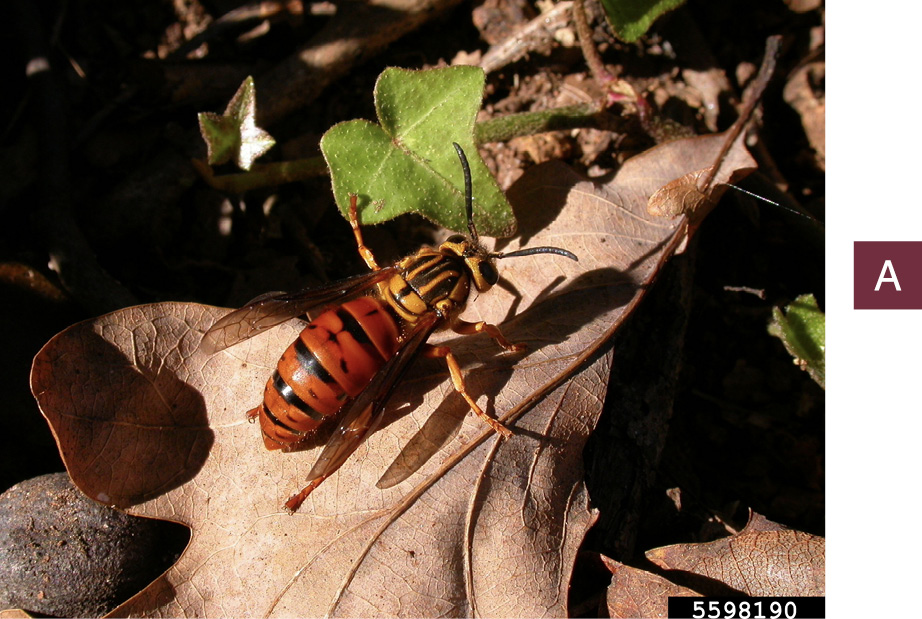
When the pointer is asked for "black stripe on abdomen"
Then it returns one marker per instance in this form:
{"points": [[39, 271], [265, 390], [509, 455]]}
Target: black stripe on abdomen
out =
{"points": [[310, 363], [288, 394], [275, 420], [354, 328]]}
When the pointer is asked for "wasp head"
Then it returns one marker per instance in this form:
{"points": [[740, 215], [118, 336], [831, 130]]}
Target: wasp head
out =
{"points": [[480, 263]]}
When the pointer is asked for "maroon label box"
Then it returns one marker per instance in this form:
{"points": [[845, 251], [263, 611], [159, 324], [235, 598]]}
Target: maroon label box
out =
{"points": [[888, 274]]}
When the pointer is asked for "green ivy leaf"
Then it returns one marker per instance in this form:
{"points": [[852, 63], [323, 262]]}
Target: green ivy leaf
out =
{"points": [[407, 163], [630, 19], [802, 329], [234, 134]]}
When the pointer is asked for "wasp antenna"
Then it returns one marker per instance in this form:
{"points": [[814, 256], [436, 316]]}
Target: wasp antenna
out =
{"points": [[538, 250], [772, 202], [755, 195], [468, 192]]}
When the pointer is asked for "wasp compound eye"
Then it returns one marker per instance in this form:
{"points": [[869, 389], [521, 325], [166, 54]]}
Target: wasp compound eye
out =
{"points": [[488, 272]]}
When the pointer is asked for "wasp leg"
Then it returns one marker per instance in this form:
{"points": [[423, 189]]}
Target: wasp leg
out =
{"points": [[357, 231], [252, 414], [294, 503], [457, 380], [463, 327]]}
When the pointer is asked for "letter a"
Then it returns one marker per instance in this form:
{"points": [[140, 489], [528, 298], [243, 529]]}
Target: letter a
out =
{"points": [[888, 266]]}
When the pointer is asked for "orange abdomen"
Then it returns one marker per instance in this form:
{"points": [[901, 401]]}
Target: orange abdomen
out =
{"points": [[332, 361]]}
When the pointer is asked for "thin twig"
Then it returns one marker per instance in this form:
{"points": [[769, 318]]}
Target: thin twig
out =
{"points": [[534, 35], [238, 19], [357, 32]]}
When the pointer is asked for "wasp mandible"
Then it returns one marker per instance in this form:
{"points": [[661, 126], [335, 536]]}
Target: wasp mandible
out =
{"points": [[347, 360]]}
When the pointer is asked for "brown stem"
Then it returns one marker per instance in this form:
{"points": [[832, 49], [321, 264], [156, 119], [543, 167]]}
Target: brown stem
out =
{"points": [[751, 98], [590, 53]]}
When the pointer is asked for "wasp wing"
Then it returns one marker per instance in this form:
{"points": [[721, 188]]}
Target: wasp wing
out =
{"points": [[364, 414], [274, 308]]}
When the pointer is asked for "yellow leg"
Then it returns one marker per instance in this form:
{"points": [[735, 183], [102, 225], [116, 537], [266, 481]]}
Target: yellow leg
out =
{"points": [[357, 231], [457, 380], [463, 327]]}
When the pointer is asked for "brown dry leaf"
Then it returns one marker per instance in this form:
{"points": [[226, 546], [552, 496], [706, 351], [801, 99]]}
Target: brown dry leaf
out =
{"points": [[764, 559], [462, 523], [696, 193], [639, 593], [800, 93]]}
